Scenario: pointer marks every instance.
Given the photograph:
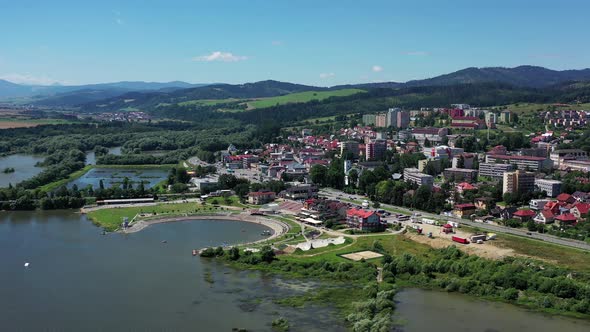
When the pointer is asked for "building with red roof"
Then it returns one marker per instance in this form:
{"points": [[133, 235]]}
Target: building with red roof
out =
{"points": [[580, 210], [524, 215], [544, 217], [566, 219], [465, 186], [565, 198], [365, 220]]}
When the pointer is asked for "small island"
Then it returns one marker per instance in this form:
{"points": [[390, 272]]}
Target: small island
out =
{"points": [[8, 170]]}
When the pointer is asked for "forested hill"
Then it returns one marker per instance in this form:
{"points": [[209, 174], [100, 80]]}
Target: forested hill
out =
{"points": [[378, 100], [147, 100], [522, 76]]}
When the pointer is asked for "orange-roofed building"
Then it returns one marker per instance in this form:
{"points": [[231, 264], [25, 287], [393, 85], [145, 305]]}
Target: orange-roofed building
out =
{"points": [[365, 220]]}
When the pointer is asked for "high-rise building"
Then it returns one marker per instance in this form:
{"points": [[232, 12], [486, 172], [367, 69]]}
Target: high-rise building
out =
{"points": [[350, 146], [551, 187], [392, 117], [403, 119], [518, 182], [369, 119], [381, 120], [413, 175], [375, 150]]}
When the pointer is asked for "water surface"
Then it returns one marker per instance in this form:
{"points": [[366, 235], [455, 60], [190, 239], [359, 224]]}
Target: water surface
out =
{"points": [[24, 168], [79, 280], [421, 310], [115, 176]]}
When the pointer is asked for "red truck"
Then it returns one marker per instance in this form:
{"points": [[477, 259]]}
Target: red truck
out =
{"points": [[460, 240]]}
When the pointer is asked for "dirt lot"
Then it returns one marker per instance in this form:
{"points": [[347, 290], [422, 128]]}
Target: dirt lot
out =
{"points": [[357, 256], [441, 240], [16, 124]]}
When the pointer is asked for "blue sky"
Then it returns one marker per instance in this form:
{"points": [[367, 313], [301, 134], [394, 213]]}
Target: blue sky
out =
{"points": [[310, 42]]}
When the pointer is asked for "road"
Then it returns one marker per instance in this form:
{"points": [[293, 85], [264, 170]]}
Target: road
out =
{"points": [[357, 199]]}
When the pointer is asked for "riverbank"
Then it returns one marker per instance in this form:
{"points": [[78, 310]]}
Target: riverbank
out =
{"points": [[77, 174]]}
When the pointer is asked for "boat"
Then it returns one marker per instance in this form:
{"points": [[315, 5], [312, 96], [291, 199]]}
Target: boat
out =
{"points": [[194, 252]]}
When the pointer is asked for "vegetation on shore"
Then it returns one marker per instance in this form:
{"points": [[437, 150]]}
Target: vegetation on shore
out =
{"points": [[521, 281]]}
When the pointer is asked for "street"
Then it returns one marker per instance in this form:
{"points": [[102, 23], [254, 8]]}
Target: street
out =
{"points": [[340, 195]]}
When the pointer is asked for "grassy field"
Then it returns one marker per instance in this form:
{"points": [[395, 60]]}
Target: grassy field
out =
{"points": [[522, 108], [577, 260], [209, 102], [56, 184], [110, 219], [229, 201], [301, 97], [23, 123]]}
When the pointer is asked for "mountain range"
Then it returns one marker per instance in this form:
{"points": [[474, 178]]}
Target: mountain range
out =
{"points": [[114, 96], [9, 89]]}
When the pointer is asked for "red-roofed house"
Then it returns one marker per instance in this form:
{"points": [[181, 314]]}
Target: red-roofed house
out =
{"points": [[552, 206], [524, 215], [464, 210], [365, 220], [544, 217], [566, 219], [565, 198], [580, 210], [464, 186]]}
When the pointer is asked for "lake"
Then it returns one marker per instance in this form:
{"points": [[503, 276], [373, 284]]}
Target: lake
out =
{"points": [[422, 310], [114, 175], [24, 168], [80, 280], [91, 157]]}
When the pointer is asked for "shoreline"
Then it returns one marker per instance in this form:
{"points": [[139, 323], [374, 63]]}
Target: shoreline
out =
{"points": [[278, 227]]}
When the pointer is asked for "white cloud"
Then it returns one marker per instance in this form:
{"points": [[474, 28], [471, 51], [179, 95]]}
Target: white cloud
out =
{"points": [[377, 68], [118, 18], [220, 56], [30, 79], [417, 53], [277, 43], [327, 75]]}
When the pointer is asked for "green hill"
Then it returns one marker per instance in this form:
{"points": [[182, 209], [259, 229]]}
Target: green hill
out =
{"points": [[301, 97]]}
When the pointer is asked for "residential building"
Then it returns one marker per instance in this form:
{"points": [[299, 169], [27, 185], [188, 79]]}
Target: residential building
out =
{"points": [[518, 182], [491, 119], [460, 174], [521, 162], [381, 120], [551, 187], [375, 150], [544, 217], [493, 170], [350, 146], [505, 117], [559, 156], [413, 175], [463, 160], [432, 134], [369, 119], [538, 204], [364, 220], [443, 151], [305, 191], [261, 197], [403, 119], [580, 210], [464, 210], [524, 215], [391, 118], [423, 163]]}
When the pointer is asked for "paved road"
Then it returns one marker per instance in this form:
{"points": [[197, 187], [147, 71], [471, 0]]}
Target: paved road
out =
{"points": [[336, 194]]}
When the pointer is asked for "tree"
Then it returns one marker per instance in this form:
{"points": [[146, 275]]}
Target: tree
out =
{"points": [[318, 175], [267, 254], [353, 177], [234, 253]]}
